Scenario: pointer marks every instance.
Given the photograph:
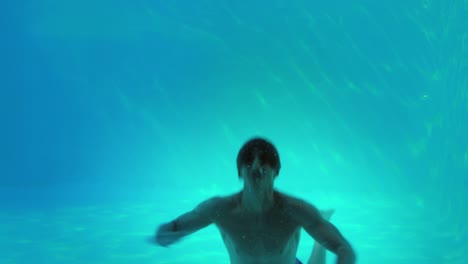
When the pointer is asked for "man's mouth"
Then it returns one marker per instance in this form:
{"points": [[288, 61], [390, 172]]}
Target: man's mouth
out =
{"points": [[257, 174]]}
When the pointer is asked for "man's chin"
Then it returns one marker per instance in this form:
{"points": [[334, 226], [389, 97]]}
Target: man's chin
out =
{"points": [[258, 178]]}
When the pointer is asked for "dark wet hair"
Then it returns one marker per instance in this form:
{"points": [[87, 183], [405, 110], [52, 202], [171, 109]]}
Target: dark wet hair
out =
{"points": [[264, 148]]}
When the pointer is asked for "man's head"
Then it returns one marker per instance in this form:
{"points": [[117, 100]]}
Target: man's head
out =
{"points": [[258, 155]]}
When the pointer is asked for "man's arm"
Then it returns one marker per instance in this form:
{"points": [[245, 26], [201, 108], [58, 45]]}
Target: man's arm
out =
{"points": [[324, 232], [188, 223]]}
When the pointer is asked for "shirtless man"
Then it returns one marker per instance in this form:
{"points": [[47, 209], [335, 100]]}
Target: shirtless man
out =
{"points": [[260, 225]]}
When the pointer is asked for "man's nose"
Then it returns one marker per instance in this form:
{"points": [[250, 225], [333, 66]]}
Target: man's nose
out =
{"points": [[256, 164]]}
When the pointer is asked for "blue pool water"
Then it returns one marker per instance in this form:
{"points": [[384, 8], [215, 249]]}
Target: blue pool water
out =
{"points": [[120, 115]]}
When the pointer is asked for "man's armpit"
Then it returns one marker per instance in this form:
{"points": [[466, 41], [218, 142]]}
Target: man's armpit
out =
{"points": [[328, 236]]}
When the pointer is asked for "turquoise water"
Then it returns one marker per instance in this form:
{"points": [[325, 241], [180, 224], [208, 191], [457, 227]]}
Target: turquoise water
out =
{"points": [[118, 116]]}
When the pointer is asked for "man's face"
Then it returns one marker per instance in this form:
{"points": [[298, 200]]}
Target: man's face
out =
{"points": [[256, 169]]}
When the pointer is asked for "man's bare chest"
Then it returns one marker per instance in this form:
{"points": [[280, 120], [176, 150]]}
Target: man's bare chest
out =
{"points": [[270, 233]]}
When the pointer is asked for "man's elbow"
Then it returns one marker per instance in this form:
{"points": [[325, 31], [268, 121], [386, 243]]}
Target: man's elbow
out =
{"points": [[346, 255]]}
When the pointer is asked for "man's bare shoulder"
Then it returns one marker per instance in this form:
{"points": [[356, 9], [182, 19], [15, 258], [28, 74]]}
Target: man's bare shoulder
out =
{"points": [[291, 201], [227, 200], [220, 204], [297, 207], [231, 201]]}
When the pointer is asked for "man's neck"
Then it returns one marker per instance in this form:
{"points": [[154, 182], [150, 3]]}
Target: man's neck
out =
{"points": [[257, 201]]}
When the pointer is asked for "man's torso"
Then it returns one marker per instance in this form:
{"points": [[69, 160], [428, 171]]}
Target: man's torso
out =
{"points": [[271, 237]]}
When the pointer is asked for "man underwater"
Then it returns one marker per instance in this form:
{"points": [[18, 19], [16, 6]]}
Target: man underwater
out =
{"points": [[260, 225]]}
